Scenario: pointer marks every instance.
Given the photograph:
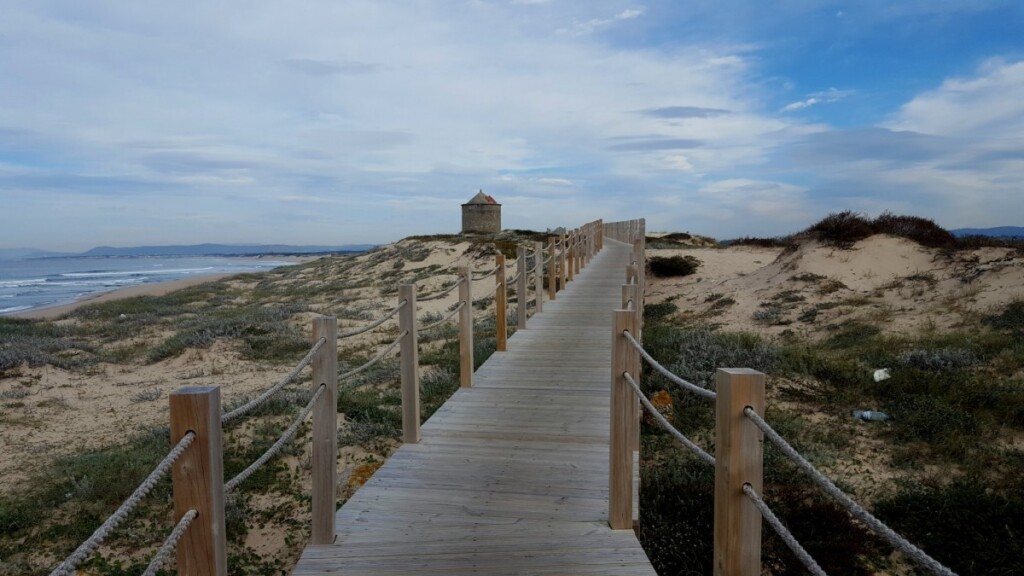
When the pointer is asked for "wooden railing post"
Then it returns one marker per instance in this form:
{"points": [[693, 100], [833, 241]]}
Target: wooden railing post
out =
{"points": [[538, 274], [563, 259], [576, 249], [325, 430], [466, 327], [198, 480], [409, 354], [738, 461], [522, 292], [571, 255], [552, 269], [500, 304], [623, 423]]}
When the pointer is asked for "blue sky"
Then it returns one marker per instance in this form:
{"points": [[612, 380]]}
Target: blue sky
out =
{"points": [[325, 122]]}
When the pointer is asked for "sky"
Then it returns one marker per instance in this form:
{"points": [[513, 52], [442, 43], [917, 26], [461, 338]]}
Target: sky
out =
{"points": [[336, 122]]}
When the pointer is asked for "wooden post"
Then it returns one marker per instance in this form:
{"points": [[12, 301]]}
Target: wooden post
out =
{"points": [[577, 249], [571, 255], [500, 314], [409, 353], [325, 430], [623, 420], [629, 298], [738, 449], [522, 292], [631, 275], [538, 274], [198, 480], [552, 269], [466, 327], [562, 268]]}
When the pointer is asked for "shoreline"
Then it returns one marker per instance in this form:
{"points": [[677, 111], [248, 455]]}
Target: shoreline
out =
{"points": [[150, 289]]}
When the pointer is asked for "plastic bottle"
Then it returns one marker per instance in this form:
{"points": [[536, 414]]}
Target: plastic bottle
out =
{"points": [[871, 415]]}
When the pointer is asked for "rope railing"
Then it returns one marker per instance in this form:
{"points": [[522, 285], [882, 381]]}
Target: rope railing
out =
{"points": [[487, 275], [67, 567], [169, 545], [255, 402], [242, 476], [489, 294], [446, 318], [318, 357], [665, 423], [689, 386], [390, 314], [441, 294], [897, 541], [783, 532], [375, 359]]}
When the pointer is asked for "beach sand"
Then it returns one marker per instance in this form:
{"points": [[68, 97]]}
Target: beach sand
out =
{"points": [[153, 289]]}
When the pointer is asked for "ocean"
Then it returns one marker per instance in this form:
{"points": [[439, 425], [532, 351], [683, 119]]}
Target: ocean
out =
{"points": [[43, 282]]}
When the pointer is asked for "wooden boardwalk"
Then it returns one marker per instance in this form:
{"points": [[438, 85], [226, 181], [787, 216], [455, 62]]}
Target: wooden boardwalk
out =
{"points": [[511, 476]]}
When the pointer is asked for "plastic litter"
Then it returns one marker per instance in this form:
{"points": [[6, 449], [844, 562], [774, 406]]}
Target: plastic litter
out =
{"points": [[871, 415], [882, 374]]}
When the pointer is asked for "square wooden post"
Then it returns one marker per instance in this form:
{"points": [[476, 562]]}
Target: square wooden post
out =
{"points": [[738, 461], [325, 430], [198, 480], [563, 259], [538, 274], [552, 269], [500, 306], [409, 353], [623, 424], [522, 292], [466, 328]]}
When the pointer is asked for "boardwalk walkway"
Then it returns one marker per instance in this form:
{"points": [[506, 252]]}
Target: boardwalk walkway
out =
{"points": [[511, 476]]}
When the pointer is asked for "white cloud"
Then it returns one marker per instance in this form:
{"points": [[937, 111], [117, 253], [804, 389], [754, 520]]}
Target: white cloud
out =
{"points": [[595, 24], [825, 97], [988, 104]]}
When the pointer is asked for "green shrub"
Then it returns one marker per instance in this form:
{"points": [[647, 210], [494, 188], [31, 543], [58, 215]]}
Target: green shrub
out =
{"points": [[841, 229], [1011, 318], [965, 526], [665, 267], [659, 311]]}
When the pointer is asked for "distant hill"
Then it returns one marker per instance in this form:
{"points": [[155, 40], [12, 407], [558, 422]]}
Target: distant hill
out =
{"points": [[1000, 232], [222, 250], [22, 253]]}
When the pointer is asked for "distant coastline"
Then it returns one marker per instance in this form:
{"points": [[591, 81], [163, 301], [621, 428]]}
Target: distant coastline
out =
{"points": [[49, 287], [152, 289]]}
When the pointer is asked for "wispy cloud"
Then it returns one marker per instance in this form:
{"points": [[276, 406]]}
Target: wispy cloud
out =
{"points": [[595, 24], [683, 112], [825, 97]]}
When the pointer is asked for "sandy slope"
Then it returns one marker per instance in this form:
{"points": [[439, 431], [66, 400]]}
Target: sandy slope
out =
{"points": [[883, 280]]}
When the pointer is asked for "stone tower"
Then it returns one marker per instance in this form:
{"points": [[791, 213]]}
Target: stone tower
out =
{"points": [[481, 214]]}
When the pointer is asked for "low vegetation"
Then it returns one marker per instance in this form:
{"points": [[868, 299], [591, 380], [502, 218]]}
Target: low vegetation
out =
{"points": [[255, 319], [949, 458], [844, 229], [670, 266]]}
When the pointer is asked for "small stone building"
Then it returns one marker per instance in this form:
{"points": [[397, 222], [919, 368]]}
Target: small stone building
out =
{"points": [[481, 215]]}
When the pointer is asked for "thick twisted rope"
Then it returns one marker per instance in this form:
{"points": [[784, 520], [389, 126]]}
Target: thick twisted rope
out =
{"points": [[665, 423], [492, 292], [783, 532], [689, 386], [170, 544], [548, 259], [445, 319], [374, 324], [440, 294], [487, 275], [67, 567], [512, 280], [242, 476], [897, 541], [375, 359], [250, 405]]}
